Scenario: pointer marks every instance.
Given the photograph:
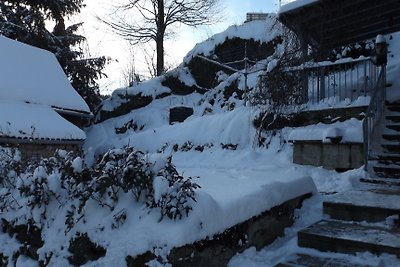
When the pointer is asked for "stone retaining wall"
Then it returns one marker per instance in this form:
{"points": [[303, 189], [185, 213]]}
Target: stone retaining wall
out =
{"points": [[342, 156], [217, 251]]}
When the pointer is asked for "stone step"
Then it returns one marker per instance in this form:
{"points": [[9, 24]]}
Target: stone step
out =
{"points": [[391, 137], [305, 260], [349, 237], [393, 107], [381, 181], [389, 171], [371, 206], [393, 118], [391, 148], [395, 127], [392, 158]]}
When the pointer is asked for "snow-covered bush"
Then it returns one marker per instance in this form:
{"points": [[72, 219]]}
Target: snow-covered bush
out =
{"points": [[64, 180], [60, 192], [172, 193], [126, 170], [10, 165], [31, 189], [131, 171]]}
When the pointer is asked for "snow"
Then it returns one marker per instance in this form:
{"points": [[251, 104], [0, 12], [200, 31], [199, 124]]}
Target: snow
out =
{"points": [[393, 66], [235, 184], [151, 88], [30, 74], [218, 149], [295, 5], [24, 261], [260, 30], [351, 131], [77, 165], [30, 121], [160, 185]]}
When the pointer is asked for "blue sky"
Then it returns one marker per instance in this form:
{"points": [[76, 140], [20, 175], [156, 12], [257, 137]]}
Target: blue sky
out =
{"points": [[241, 7]]}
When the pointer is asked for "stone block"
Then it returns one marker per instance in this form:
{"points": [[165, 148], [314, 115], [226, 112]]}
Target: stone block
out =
{"points": [[328, 155]]}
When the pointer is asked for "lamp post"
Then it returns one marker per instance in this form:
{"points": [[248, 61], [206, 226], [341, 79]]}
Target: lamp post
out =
{"points": [[379, 57]]}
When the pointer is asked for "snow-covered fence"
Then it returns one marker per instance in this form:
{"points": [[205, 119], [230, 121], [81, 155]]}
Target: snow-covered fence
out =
{"points": [[338, 81]]}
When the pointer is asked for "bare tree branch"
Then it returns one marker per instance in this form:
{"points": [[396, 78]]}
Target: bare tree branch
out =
{"points": [[143, 21]]}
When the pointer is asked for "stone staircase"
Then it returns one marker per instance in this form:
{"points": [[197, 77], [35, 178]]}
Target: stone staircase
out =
{"points": [[357, 218], [386, 161]]}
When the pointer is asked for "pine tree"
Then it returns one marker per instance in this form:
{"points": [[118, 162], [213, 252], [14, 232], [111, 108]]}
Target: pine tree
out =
{"points": [[25, 21]]}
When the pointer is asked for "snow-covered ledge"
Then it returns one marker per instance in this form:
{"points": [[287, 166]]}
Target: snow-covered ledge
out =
{"points": [[333, 146], [216, 250]]}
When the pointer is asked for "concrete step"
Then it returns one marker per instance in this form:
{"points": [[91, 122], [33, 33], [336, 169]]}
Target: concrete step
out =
{"points": [[395, 127], [391, 137], [349, 237], [391, 158], [305, 260], [381, 181], [393, 107], [393, 118], [387, 171], [371, 206], [391, 148]]}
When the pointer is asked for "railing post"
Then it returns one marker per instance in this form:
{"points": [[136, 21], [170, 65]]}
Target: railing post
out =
{"points": [[365, 78], [366, 146], [322, 85], [374, 113]]}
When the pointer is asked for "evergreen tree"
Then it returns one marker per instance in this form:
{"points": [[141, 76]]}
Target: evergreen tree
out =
{"points": [[24, 20]]}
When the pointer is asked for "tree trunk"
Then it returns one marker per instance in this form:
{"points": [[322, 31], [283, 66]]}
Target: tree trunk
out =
{"points": [[160, 38]]}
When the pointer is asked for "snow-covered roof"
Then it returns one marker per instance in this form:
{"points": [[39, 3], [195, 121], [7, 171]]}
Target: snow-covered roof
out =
{"points": [[295, 5], [25, 121], [31, 74]]}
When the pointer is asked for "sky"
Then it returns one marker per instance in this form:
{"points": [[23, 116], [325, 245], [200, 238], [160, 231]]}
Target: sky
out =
{"points": [[102, 42]]}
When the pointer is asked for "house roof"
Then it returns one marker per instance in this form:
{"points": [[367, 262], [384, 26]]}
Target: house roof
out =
{"points": [[21, 122], [328, 24], [33, 75]]}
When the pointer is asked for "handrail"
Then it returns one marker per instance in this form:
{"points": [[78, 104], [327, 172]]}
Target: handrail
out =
{"points": [[374, 114], [346, 79]]}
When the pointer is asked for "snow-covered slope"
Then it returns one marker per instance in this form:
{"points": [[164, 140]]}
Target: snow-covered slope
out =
{"points": [[179, 86], [218, 142]]}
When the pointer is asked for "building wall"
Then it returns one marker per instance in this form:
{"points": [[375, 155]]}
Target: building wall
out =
{"points": [[342, 156], [32, 151]]}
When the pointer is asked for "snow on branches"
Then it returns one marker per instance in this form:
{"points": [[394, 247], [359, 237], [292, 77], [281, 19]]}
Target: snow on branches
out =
{"points": [[64, 181]]}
